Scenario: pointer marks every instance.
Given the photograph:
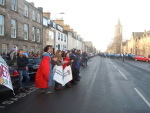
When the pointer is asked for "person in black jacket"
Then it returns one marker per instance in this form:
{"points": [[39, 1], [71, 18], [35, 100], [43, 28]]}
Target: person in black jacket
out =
{"points": [[74, 60], [22, 62]]}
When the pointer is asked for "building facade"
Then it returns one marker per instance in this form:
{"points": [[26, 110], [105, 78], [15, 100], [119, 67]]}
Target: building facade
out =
{"points": [[89, 46], [48, 32], [139, 44], [117, 38], [20, 24]]}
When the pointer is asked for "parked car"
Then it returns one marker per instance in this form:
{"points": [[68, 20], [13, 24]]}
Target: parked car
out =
{"points": [[141, 58], [90, 55], [148, 59], [33, 66], [14, 78]]}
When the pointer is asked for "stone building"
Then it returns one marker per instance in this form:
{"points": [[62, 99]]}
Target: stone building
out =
{"points": [[48, 30], [89, 45], [74, 40], [116, 44], [117, 38], [20, 24], [139, 44]]}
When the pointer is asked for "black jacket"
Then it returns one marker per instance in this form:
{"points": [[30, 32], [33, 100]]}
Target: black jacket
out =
{"points": [[22, 62]]}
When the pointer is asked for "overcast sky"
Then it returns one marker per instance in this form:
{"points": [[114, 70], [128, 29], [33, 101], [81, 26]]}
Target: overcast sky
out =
{"points": [[94, 20]]}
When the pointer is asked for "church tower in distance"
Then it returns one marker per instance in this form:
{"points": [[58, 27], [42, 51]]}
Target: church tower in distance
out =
{"points": [[118, 37]]}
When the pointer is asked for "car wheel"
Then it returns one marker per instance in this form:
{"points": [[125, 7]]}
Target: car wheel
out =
{"points": [[146, 60], [135, 59]]}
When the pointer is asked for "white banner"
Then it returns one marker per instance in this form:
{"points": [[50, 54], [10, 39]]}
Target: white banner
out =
{"points": [[67, 75], [62, 76], [4, 74], [58, 74]]}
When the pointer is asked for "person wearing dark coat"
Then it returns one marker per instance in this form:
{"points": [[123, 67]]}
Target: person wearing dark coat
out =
{"points": [[75, 70], [85, 59], [22, 62]]}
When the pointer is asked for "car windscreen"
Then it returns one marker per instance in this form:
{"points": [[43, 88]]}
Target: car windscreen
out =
{"points": [[34, 60]]}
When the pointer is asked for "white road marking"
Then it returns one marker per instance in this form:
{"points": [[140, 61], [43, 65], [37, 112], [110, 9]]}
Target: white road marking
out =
{"points": [[123, 75], [114, 66], [144, 99]]}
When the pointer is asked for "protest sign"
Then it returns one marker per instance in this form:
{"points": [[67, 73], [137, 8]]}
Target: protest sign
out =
{"points": [[4, 74], [62, 76]]}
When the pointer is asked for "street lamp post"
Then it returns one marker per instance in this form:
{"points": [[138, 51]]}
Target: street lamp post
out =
{"points": [[55, 31]]}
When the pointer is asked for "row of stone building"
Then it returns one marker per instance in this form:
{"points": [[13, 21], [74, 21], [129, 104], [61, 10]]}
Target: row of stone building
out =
{"points": [[138, 44], [29, 28]]}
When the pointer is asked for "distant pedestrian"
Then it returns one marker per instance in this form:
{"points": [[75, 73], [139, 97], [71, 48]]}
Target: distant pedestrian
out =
{"points": [[85, 58], [22, 62], [44, 77]]}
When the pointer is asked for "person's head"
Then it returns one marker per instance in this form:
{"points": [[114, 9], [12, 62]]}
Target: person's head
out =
{"points": [[20, 51], [63, 54], [74, 51], [48, 48], [58, 53], [68, 54]]}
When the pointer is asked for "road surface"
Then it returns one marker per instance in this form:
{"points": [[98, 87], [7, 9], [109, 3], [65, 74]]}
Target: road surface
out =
{"points": [[107, 86]]}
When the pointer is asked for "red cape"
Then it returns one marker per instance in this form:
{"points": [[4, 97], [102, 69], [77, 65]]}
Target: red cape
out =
{"points": [[43, 73]]}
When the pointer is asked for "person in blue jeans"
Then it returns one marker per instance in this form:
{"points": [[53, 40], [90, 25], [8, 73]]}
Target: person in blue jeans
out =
{"points": [[22, 62]]}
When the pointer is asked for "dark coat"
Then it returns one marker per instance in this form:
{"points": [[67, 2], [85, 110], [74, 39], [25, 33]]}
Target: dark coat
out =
{"points": [[22, 62]]}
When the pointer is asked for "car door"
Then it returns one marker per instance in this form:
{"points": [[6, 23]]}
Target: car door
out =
{"points": [[142, 58]]}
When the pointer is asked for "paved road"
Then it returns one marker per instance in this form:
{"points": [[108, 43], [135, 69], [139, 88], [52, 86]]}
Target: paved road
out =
{"points": [[107, 86]]}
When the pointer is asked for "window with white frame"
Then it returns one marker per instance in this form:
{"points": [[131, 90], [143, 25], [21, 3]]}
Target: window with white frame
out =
{"points": [[1, 25], [26, 32], [14, 5], [65, 39], [4, 48], [38, 35], [52, 35], [13, 28], [33, 33], [33, 15], [61, 37], [2, 2], [38, 18], [58, 35], [26, 10]]}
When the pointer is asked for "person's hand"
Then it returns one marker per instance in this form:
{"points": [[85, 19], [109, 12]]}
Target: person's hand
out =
{"points": [[72, 60]]}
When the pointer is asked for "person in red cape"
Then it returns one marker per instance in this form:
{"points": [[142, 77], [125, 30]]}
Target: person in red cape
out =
{"points": [[43, 75]]}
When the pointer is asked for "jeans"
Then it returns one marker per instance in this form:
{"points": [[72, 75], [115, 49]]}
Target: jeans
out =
{"points": [[23, 73], [85, 63]]}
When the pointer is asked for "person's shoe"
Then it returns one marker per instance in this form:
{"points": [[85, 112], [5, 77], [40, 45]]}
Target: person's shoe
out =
{"points": [[27, 88], [57, 89], [42, 92], [74, 82], [22, 90], [69, 86], [49, 92]]}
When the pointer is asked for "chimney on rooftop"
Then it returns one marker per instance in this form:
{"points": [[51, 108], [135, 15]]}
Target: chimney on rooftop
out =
{"points": [[40, 9], [47, 14], [32, 3]]}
